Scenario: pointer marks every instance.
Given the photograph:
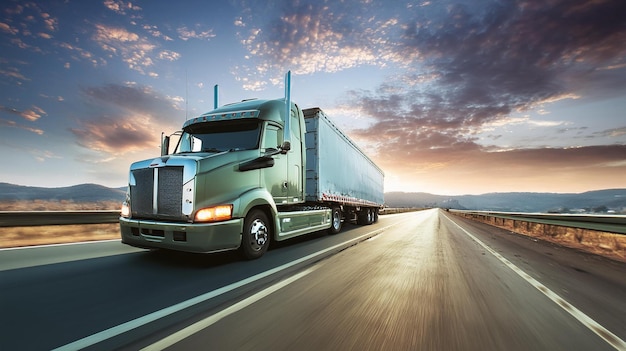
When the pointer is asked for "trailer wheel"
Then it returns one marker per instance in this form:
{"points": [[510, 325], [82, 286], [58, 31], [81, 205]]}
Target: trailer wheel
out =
{"points": [[365, 217], [375, 211], [256, 235], [335, 226]]}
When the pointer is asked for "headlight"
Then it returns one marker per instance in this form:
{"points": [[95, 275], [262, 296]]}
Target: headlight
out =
{"points": [[125, 210], [213, 214]]}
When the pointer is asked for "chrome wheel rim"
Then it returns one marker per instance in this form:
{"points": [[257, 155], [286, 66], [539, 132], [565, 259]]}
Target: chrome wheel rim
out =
{"points": [[336, 219], [258, 234]]}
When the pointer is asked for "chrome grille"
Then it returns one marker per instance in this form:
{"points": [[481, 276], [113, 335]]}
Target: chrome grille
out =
{"points": [[142, 193], [157, 193]]}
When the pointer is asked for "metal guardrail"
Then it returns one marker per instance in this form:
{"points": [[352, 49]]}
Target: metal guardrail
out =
{"points": [[41, 218], [604, 223], [393, 210], [607, 223]]}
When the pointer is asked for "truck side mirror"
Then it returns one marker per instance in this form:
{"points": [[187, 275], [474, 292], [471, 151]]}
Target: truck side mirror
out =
{"points": [[257, 163], [286, 146], [165, 144]]}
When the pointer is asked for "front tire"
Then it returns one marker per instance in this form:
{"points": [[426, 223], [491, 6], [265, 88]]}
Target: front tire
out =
{"points": [[256, 235], [335, 218]]}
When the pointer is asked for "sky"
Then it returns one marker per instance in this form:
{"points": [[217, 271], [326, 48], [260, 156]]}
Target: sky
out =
{"points": [[447, 97]]}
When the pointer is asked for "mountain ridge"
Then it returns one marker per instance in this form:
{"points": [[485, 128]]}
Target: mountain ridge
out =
{"points": [[79, 193], [604, 200]]}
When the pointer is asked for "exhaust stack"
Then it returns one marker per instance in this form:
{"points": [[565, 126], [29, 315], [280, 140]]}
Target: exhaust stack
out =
{"points": [[287, 130], [216, 96]]}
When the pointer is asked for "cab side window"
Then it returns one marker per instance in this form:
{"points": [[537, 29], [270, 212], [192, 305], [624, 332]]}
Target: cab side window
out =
{"points": [[190, 143], [272, 138], [295, 124]]}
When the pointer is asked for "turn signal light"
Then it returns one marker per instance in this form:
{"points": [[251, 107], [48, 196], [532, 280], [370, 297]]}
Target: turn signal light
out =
{"points": [[125, 210], [213, 214]]}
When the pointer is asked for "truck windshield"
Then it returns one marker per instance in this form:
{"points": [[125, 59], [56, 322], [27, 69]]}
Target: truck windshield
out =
{"points": [[220, 136]]}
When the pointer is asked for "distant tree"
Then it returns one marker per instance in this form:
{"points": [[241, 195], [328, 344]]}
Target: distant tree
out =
{"points": [[600, 209]]}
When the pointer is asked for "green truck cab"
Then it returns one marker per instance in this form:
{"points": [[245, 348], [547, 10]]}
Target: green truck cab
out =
{"points": [[239, 178]]}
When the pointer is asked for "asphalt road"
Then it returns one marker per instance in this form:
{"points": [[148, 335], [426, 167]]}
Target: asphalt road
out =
{"points": [[416, 281]]}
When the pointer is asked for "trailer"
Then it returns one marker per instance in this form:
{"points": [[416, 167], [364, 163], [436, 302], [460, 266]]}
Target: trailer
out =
{"points": [[338, 172]]}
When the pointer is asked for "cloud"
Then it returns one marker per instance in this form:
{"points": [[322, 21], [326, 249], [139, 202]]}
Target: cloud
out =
{"points": [[106, 34], [116, 137], [611, 133], [131, 120], [51, 23], [313, 36], [155, 32], [13, 124], [529, 49], [44, 35], [29, 20], [79, 54], [465, 67], [169, 55], [136, 51], [8, 29], [134, 98], [121, 7], [185, 33], [43, 155], [12, 72], [32, 114], [479, 66]]}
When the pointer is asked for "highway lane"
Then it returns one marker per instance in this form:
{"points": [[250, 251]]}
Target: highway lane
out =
{"points": [[425, 285], [31, 256], [64, 293], [421, 284]]}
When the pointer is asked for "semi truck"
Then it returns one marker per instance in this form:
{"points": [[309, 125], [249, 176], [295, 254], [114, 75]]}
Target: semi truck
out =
{"points": [[246, 174]]}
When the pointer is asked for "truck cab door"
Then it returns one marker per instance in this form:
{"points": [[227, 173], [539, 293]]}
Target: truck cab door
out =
{"points": [[295, 159], [275, 178]]}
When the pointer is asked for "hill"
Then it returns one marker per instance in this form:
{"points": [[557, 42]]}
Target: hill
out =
{"points": [[76, 193], [609, 200]]}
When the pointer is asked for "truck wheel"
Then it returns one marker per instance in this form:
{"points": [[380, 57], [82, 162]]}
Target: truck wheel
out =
{"points": [[360, 217], [335, 226], [375, 211], [364, 217], [256, 235]]}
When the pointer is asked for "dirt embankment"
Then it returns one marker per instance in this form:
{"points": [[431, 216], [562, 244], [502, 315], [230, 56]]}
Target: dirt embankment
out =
{"points": [[62, 205], [57, 234], [610, 245]]}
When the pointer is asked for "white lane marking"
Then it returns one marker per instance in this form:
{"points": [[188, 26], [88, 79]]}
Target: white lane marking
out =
{"points": [[54, 245], [587, 321], [207, 322], [372, 238], [138, 322]]}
